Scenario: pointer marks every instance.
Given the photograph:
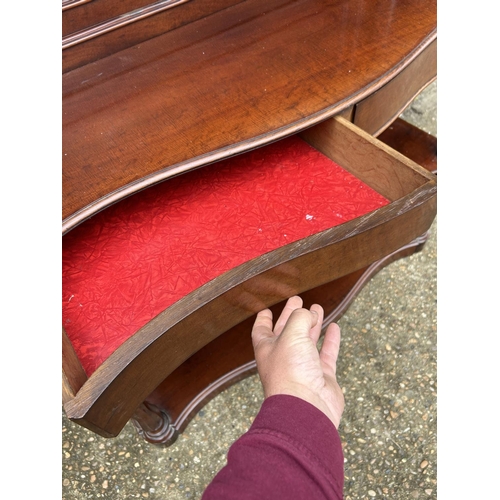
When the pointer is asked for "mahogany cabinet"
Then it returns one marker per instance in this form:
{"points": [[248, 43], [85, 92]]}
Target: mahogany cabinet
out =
{"points": [[219, 157]]}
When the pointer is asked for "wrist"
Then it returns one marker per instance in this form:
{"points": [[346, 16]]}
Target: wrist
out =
{"points": [[306, 394]]}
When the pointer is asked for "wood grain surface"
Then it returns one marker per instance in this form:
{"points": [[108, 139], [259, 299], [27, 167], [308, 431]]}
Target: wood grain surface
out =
{"points": [[88, 14], [130, 27], [232, 81], [376, 112]]}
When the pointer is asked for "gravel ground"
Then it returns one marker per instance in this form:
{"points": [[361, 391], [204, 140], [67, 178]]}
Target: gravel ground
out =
{"points": [[387, 368]]}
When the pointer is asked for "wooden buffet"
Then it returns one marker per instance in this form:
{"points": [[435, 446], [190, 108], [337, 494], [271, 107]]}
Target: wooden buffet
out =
{"points": [[162, 103]]}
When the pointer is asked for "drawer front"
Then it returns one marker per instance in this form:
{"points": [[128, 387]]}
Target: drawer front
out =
{"points": [[375, 113]]}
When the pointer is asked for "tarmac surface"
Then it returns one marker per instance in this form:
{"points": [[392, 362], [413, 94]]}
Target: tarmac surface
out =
{"points": [[387, 369]]}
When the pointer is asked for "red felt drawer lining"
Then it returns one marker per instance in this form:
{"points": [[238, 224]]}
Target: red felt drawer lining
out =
{"points": [[127, 264]]}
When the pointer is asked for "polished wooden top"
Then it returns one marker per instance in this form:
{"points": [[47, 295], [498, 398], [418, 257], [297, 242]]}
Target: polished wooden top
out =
{"points": [[235, 80]]}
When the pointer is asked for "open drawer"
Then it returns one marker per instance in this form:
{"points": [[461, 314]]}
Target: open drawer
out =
{"points": [[104, 393]]}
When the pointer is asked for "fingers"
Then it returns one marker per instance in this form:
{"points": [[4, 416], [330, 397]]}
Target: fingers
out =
{"points": [[263, 327], [330, 350], [292, 304], [316, 329], [296, 320], [299, 324]]}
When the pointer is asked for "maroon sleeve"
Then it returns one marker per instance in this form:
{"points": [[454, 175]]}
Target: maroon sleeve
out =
{"points": [[292, 450]]}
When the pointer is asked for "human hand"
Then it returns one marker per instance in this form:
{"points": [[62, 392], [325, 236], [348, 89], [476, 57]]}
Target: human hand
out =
{"points": [[288, 360]]}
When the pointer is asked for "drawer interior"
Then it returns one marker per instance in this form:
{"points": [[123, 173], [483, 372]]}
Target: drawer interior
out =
{"points": [[385, 170], [127, 264]]}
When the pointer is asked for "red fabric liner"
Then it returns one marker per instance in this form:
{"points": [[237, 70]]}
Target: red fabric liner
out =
{"points": [[130, 262]]}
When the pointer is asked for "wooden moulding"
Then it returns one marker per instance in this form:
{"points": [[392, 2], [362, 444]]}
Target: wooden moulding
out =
{"points": [[119, 22], [109, 398], [92, 12], [70, 4], [238, 79], [102, 28]]}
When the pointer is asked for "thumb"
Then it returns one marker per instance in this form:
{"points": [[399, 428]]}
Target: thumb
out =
{"points": [[330, 350]]}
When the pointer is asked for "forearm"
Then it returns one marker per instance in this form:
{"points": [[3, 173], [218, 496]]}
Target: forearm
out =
{"points": [[292, 450]]}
